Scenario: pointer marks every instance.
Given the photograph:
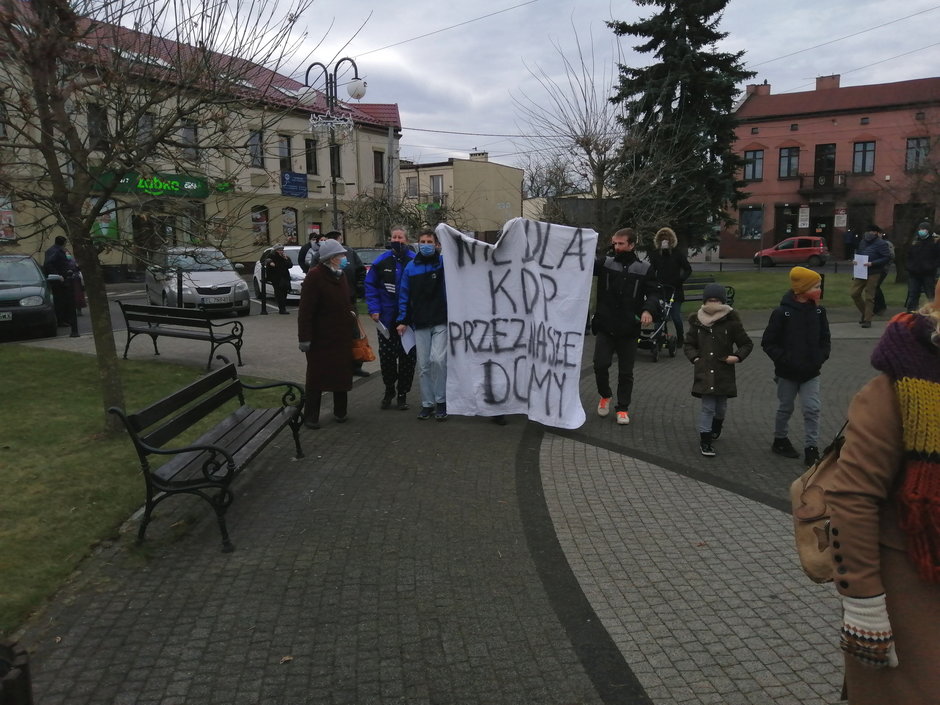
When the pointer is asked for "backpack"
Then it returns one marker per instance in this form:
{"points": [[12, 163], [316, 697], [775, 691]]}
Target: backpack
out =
{"points": [[811, 513]]}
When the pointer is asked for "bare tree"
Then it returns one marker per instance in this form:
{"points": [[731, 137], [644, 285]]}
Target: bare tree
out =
{"points": [[380, 213], [97, 92], [547, 176], [575, 121]]}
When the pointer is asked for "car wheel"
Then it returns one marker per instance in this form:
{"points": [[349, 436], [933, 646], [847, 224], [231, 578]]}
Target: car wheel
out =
{"points": [[815, 261], [766, 261]]}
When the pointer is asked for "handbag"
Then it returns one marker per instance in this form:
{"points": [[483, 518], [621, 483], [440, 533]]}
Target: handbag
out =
{"points": [[361, 350], [811, 513]]}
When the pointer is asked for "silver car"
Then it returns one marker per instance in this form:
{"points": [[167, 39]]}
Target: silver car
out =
{"points": [[206, 278]]}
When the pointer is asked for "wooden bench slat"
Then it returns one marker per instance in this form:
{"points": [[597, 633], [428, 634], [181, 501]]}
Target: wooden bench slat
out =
{"points": [[149, 415], [191, 416]]}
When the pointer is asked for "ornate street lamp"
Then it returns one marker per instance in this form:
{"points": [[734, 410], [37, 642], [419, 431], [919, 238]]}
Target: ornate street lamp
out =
{"points": [[340, 127]]}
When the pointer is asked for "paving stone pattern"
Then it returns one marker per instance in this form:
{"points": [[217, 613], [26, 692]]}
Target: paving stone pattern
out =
{"points": [[405, 561]]}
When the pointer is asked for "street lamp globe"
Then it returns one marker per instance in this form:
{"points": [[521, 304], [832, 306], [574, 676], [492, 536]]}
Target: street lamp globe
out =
{"points": [[356, 88]]}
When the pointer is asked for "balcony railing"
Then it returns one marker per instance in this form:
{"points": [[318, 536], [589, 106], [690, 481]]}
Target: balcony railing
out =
{"points": [[817, 184]]}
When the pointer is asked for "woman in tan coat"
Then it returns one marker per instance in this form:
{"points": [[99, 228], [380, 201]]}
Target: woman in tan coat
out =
{"points": [[885, 520]]}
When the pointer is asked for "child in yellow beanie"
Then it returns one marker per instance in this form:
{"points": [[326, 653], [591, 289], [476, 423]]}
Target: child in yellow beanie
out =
{"points": [[797, 340]]}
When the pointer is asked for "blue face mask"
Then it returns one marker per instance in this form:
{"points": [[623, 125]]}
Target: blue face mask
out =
{"points": [[427, 249], [343, 263], [922, 234]]}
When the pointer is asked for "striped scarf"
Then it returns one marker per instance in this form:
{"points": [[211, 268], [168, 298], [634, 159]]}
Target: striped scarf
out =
{"points": [[906, 354]]}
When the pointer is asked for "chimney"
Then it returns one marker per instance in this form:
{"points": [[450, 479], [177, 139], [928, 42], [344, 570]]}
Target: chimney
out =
{"points": [[479, 156], [826, 82], [759, 88]]}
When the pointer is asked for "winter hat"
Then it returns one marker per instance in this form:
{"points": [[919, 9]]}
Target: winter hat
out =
{"points": [[330, 248], [803, 279], [714, 291], [278, 247]]}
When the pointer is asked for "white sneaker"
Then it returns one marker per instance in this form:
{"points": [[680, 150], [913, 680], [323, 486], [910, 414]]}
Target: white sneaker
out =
{"points": [[623, 418], [603, 406]]}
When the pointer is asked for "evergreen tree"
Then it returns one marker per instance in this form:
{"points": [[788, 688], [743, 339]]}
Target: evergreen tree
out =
{"points": [[676, 165]]}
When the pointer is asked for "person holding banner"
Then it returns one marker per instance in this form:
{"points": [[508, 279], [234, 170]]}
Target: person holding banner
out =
{"points": [[627, 296], [382, 282], [422, 304]]}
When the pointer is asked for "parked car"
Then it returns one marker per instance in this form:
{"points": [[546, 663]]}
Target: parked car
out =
{"points": [[368, 255], [794, 250], [209, 280], [25, 298], [296, 274]]}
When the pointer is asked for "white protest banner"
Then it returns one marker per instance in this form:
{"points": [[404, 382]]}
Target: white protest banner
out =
{"points": [[516, 316]]}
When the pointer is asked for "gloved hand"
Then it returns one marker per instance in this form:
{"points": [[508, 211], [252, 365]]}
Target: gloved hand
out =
{"points": [[866, 631], [304, 346]]}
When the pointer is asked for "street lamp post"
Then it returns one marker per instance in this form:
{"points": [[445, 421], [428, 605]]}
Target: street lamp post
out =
{"points": [[332, 120]]}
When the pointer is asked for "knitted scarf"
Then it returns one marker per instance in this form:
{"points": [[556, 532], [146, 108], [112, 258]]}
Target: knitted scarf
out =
{"points": [[906, 354]]}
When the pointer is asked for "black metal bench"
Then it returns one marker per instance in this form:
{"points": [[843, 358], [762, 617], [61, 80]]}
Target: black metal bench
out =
{"points": [[190, 324], [208, 465], [693, 287]]}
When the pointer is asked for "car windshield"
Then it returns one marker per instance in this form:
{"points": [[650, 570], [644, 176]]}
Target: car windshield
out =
{"points": [[19, 271], [368, 255], [198, 261]]}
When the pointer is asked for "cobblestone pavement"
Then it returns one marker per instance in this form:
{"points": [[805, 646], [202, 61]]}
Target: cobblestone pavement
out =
{"points": [[408, 562]]}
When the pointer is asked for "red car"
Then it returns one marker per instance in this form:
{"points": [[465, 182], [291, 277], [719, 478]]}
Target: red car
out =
{"points": [[794, 250]]}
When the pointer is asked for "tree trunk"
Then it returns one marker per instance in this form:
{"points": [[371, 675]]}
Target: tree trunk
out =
{"points": [[99, 313]]}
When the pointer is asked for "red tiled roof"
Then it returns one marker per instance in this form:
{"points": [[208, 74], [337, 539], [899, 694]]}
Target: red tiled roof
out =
{"points": [[847, 99], [384, 113]]}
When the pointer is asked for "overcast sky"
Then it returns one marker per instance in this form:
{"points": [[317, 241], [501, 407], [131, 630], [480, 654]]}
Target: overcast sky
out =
{"points": [[455, 86]]}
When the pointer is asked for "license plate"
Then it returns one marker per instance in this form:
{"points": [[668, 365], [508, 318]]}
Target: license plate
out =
{"points": [[214, 299], [6, 316]]}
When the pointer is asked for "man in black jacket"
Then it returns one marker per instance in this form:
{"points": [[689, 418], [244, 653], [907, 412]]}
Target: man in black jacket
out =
{"points": [[797, 340], [627, 296], [923, 258]]}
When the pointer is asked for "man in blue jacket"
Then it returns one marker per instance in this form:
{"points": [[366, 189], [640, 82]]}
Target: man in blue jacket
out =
{"points": [[863, 290], [382, 283], [422, 304]]}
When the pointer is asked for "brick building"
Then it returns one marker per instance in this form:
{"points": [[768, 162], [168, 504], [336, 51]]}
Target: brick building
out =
{"points": [[821, 161]]}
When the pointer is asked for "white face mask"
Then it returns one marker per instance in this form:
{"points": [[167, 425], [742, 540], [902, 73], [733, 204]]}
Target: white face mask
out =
{"points": [[664, 245]]}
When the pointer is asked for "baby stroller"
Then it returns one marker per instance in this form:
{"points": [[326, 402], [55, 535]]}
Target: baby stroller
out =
{"points": [[656, 336]]}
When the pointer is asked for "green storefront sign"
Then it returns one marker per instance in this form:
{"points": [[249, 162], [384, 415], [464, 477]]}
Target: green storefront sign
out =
{"points": [[162, 185]]}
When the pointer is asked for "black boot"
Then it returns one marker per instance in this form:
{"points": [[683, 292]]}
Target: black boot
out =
{"points": [[782, 446], [387, 399], [716, 428], [810, 455], [403, 402], [706, 444]]}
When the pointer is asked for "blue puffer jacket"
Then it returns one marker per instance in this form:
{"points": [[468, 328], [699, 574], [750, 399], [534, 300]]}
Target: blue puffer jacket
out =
{"points": [[382, 284], [422, 298]]}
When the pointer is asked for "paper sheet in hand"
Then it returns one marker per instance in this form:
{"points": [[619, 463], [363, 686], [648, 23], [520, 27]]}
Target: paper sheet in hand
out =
{"points": [[860, 271], [380, 327], [408, 339]]}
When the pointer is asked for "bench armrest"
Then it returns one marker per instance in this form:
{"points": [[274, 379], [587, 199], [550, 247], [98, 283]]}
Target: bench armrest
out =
{"points": [[293, 394], [236, 328], [212, 465]]}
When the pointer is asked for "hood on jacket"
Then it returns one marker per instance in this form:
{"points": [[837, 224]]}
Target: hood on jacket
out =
{"points": [[667, 234]]}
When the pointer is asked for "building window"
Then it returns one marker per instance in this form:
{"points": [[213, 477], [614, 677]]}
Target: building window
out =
{"points": [[190, 225], [437, 189], [863, 160], [289, 225], [256, 149], [917, 150], [145, 128], [259, 225], [411, 186], [378, 167], [310, 155], [283, 152], [755, 130], [921, 115], [863, 121], [336, 164], [794, 127], [789, 162], [98, 128], [754, 165], [752, 223], [189, 136]]}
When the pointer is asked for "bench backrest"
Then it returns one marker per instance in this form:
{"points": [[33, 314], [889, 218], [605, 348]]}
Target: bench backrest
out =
{"points": [[167, 418], [165, 315], [693, 286]]}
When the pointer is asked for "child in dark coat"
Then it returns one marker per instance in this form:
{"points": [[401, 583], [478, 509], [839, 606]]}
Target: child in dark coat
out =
{"points": [[797, 340], [715, 342]]}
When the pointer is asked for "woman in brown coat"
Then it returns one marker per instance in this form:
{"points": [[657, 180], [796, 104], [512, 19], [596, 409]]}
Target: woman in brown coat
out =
{"points": [[885, 520], [325, 326]]}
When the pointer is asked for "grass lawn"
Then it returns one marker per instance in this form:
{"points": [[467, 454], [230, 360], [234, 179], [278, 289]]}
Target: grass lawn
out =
{"points": [[67, 484], [756, 291]]}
